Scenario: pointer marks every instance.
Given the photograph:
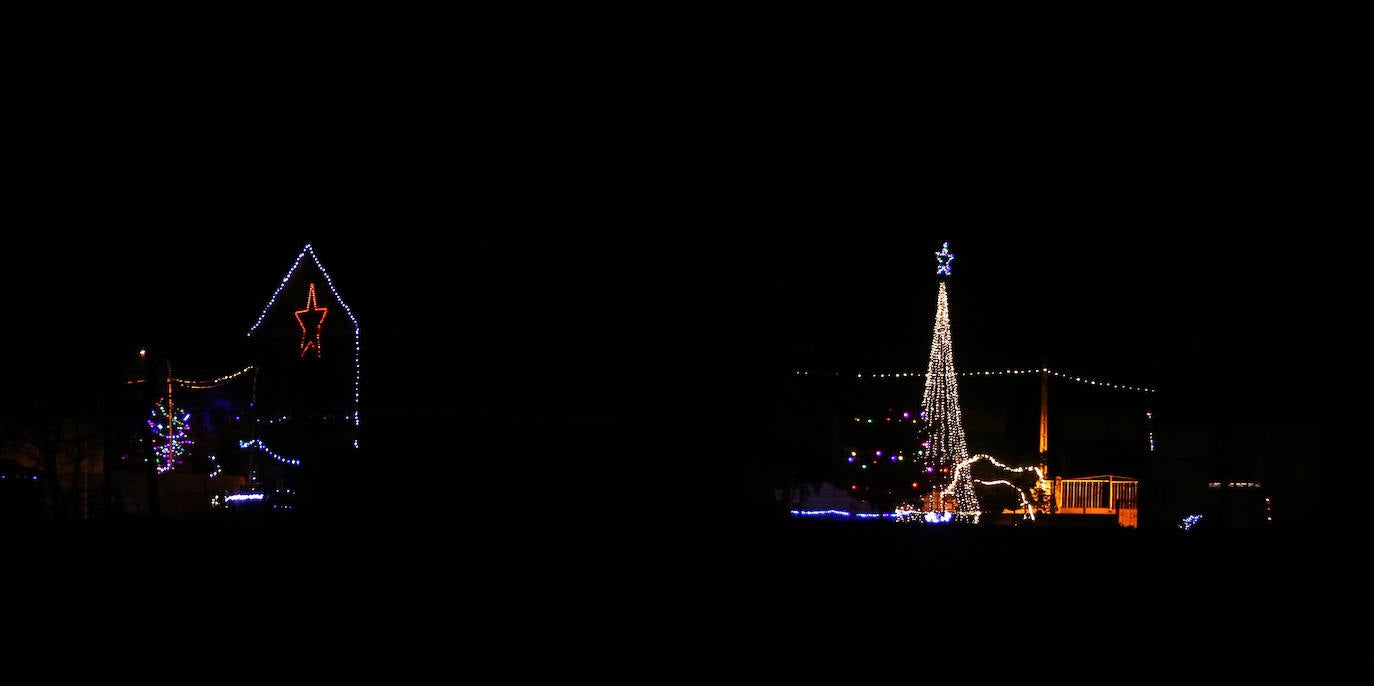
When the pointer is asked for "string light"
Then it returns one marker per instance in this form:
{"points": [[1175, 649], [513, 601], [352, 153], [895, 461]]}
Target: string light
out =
{"points": [[311, 307], [1087, 381], [943, 259], [907, 514], [842, 513], [255, 443], [1149, 420], [328, 281], [1189, 522], [948, 446], [1025, 504], [215, 382], [171, 435], [237, 497]]}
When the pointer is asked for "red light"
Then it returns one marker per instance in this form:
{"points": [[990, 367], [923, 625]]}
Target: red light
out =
{"points": [[311, 307], [915, 485], [855, 487]]}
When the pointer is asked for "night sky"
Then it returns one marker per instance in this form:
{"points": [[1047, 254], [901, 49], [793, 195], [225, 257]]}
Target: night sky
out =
{"points": [[608, 236]]}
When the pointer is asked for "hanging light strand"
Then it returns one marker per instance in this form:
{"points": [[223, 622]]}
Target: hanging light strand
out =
{"points": [[905, 374], [216, 382]]}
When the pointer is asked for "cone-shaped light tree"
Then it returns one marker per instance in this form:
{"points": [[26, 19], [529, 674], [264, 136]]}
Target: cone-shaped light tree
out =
{"points": [[948, 451]]}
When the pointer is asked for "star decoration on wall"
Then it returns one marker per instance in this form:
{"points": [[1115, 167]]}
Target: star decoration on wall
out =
{"points": [[944, 257], [312, 315]]}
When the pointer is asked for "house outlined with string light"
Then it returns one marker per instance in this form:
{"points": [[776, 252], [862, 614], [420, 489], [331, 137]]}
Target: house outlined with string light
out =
{"points": [[305, 344]]}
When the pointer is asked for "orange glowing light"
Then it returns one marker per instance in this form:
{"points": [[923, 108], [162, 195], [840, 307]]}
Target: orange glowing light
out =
{"points": [[311, 308]]}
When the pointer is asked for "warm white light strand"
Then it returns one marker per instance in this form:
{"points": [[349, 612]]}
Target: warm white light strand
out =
{"points": [[948, 446], [908, 374], [1025, 504], [212, 383]]}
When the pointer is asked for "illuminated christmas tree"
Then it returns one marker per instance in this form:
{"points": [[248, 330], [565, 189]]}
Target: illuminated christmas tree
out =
{"points": [[171, 436], [947, 455]]}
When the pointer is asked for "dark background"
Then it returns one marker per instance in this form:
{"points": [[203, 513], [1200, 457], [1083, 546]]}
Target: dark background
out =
{"points": [[593, 243]]}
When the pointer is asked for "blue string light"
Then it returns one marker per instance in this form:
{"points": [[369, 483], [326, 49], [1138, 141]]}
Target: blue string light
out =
{"points": [[255, 443]]}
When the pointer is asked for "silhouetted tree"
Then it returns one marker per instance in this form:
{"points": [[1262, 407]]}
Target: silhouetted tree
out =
{"points": [[62, 442]]}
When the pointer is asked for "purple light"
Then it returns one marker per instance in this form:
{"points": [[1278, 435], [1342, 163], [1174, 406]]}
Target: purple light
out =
{"points": [[879, 453], [930, 470], [851, 459], [842, 513], [906, 415], [243, 496]]}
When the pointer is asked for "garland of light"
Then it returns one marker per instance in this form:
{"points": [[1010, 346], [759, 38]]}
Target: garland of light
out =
{"points": [[329, 281], [963, 482], [255, 443], [212, 383], [964, 472], [842, 513], [171, 436], [1025, 504], [1085, 380]]}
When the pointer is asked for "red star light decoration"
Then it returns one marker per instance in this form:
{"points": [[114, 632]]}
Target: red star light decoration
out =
{"points": [[312, 314]]}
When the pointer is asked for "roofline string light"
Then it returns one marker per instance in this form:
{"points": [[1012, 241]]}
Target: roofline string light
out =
{"points": [[994, 372], [329, 281]]}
